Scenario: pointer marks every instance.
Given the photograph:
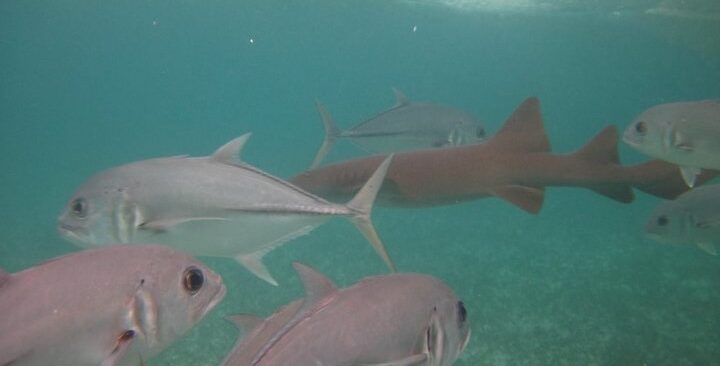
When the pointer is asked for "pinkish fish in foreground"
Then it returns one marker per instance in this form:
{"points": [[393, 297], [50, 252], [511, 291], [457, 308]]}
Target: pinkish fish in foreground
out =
{"points": [[117, 305], [515, 165], [401, 319]]}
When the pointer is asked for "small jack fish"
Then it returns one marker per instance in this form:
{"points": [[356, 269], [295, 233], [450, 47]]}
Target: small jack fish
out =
{"points": [[405, 126], [103, 307], [213, 206], [684, 133], [692, 218], [400, 320]]}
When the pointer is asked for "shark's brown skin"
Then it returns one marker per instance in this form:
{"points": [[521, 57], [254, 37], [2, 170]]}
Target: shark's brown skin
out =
{"points": [[516, 164]]}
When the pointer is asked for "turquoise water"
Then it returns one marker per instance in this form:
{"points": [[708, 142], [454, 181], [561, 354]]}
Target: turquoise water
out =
{"points": [[88, 85]]}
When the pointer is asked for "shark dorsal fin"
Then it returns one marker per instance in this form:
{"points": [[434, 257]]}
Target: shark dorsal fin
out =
{"points": [[523, 130], [316, 284], [400, 98], [602, 148], [230, 152], [245, 322], [4, 277]]}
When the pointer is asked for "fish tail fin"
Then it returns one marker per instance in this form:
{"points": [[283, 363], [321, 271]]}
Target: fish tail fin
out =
{"points": [[603, 149], [363, 202], [662, 179], [331, 134]]}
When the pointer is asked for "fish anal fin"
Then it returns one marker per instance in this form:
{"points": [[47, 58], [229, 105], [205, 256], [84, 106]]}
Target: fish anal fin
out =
{"points": [[602, 148], [400, 98], [708, 248], [414, 360], [523, 130], [317, 285], [618, 192], [689, 174], [253, 263], [231, 151], [165, 225], [529, 199]]}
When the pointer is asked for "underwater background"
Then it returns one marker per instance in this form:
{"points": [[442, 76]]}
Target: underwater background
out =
{"points": [[87, 85]]}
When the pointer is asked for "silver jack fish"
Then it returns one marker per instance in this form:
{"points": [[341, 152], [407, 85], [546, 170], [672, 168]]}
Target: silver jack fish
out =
{"points": [[213, 206], [399, 320], [103, 307], [684, 133], [406, 126], [692, 218]]}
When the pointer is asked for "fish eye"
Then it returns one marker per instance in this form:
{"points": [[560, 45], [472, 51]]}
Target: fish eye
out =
{"points": [[480, 132], [662, 220], [462, 312], [641, 127], [193, 280], [78, 207]]}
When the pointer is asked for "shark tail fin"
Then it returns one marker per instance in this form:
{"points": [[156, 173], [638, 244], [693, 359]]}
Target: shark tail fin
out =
{"points": [[331, 134], [602, 149], [363, 202], [662, 179]]}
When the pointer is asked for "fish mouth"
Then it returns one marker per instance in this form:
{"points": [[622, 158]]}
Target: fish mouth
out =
{"points": [[72, 233], [631, 139]]}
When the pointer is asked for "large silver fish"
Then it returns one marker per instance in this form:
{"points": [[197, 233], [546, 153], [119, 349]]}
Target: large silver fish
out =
{"points": [[103, 307], [213, 206], [400, 320], [406, 126], [693, 218], [684, 133]]}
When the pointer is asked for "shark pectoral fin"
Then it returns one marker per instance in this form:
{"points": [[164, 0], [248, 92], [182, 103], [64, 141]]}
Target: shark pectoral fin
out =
{"points": [[414, 360], [708, 248], [165, 225], [230, 152], [618, 192], [253, 263], [124, 342], [689, 174], [528, 198], [245, 322]]}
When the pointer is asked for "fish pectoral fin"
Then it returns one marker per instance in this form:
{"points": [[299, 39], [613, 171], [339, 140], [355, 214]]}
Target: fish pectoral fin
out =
{"points": [[124, 342], [689, 174], [165, 225], [708, 248], [529, 199], [253, 263], [414, 360], [682, 142]]}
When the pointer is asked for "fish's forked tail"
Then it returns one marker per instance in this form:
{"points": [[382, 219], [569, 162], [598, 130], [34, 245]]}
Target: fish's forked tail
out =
{"points": [[662, 179], [362, 203], [331, 134], [603, 149]]}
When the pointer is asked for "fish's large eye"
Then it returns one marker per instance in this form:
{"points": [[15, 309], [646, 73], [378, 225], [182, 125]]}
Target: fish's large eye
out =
{"points": [[641, 127], [480, 132], [79, 207], [662, 220], [193, 280], [462, 312]]}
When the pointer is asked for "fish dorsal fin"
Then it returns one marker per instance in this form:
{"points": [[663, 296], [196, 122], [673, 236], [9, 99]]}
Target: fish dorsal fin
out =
{"points": [[523, 130], [245, 322], [400, 98], [602, 148], [317, 286], [4, 277], [230, 152], [318, 291]]}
